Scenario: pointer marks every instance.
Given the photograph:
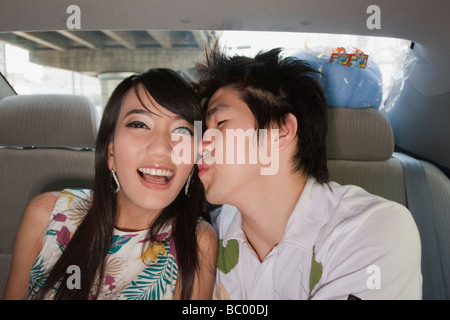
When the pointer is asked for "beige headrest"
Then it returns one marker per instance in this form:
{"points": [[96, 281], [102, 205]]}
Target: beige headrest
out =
{"points": [[48, 120], [358, 134]]}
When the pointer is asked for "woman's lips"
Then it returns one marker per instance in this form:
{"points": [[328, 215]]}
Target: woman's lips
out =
{"points": [[156, 177], [159, 176]]}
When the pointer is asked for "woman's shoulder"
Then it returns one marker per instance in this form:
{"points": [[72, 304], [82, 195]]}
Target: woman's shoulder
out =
{"points": [[73, 198], [81, 194], [40, 208], [44, 207], [72, 204], [44, 200], [206, 234]]}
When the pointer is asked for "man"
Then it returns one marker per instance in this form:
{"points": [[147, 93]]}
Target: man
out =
{"points": [[292, 234]]}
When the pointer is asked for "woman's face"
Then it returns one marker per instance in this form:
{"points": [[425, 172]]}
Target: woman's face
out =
{"points": [[141, 152]]}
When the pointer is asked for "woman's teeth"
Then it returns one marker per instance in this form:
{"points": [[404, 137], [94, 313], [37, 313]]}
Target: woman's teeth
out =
{"points": [[157, 172], [159, 176]]}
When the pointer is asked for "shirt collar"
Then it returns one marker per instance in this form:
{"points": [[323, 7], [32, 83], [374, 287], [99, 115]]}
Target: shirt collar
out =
{"points": [[231, 220], [303, 225], [308, 216]]}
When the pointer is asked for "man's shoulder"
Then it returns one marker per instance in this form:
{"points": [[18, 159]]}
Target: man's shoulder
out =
{"points": [[358, 204], [360, 216], [365, 231]]}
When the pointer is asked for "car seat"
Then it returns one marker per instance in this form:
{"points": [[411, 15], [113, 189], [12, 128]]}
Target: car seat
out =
{"points": [[46, 144], [360, 151]]}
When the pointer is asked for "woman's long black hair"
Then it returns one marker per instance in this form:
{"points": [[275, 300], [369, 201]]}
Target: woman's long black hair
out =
{"points": [[92, 240]]}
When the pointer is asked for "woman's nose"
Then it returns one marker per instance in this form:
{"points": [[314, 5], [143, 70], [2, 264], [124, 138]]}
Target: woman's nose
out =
{"points": [[159, 145], [205, 148], [208, 147]]}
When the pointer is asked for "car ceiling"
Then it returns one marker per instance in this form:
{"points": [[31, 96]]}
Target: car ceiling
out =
{"points": [[424, 22]]}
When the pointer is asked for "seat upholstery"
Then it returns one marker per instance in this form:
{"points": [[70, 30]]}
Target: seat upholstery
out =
{"points": [[360, 146], [439, 186], [46, 144]]}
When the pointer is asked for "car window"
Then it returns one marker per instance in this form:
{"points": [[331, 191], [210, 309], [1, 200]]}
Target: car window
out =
{"points": [[92, 63]]}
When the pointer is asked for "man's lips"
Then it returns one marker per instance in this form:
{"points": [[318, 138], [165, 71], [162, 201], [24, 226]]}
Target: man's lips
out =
{"points": [[202, 167]]}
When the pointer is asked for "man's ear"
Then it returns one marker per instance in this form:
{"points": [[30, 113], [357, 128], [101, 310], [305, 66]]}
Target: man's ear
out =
{"points": [[110, 155], [287, 131]]}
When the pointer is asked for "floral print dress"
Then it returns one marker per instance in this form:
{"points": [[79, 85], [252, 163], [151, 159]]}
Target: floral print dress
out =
{"points": [[136, 269]]}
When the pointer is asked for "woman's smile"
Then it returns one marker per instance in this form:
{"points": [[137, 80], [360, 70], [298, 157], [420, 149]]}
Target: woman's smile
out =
{"points": [[156, 177]]}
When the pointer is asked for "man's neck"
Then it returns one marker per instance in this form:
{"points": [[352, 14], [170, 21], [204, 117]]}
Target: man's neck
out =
{"points": [[265, 213]]}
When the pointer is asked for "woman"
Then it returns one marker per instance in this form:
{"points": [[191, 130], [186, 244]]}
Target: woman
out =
{"points": [[139, 234]]}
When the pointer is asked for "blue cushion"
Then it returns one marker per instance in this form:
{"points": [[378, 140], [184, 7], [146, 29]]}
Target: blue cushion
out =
{"points": [[346, 86]]}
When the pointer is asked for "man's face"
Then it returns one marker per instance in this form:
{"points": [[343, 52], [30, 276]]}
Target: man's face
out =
{"points": [[230, 147]]}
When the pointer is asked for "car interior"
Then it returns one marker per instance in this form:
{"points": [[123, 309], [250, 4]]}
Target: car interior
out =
{"points": [[395, 147]]}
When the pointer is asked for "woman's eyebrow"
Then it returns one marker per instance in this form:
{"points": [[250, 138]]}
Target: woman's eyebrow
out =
{"points": [[151, 114], [215, 109], [138, 111]]}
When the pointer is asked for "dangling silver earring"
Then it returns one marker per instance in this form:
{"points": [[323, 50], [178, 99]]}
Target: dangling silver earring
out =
{"points": [[188, 182], [116, 184]]}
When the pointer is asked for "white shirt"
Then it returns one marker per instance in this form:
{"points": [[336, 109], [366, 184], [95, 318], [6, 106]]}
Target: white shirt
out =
{"points": [[364, 246]]}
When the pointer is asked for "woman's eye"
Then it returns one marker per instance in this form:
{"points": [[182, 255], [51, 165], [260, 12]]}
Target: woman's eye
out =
{"points": [[184, 130], [137, 125], [220, 122]]}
